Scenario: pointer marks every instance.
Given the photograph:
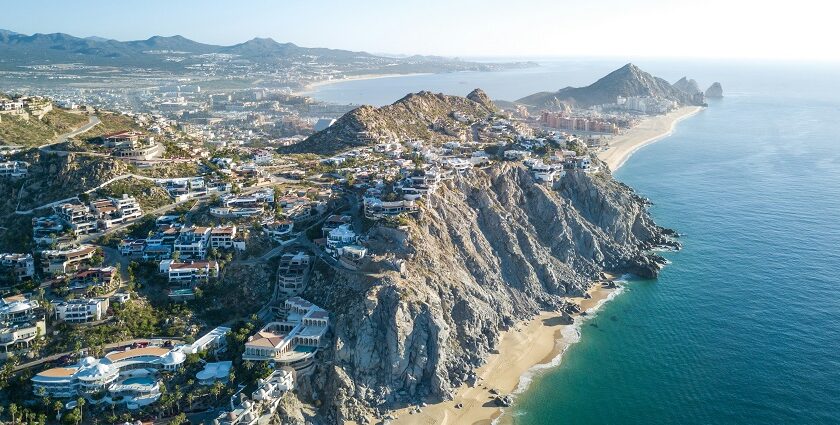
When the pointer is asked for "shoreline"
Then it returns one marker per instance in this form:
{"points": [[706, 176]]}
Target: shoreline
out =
{"points": [[509, 370], [650, 130], [310, 88]]}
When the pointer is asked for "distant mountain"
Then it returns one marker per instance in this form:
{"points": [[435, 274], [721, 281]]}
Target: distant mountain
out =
{"points": [[687, 86], [626, 81], [157, 52], [175, 43], [424, 115]]}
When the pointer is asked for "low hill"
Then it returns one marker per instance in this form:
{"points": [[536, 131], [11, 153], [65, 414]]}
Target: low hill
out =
{"points": [[424, 115], [626, 81], [31, 131]]}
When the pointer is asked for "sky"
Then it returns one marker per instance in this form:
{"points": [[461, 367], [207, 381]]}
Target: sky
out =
{"points": [[744, 29]]}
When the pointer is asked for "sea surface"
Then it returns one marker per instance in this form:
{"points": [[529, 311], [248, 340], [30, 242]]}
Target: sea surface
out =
{"points": [[743, 327]]}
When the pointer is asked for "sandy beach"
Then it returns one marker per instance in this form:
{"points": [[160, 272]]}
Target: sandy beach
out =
{"points": [[545, 337], [310, 87], [648, 131]]}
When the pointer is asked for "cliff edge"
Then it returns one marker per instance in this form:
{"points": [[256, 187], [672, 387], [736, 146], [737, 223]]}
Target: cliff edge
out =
{"points": [[490, 248]]}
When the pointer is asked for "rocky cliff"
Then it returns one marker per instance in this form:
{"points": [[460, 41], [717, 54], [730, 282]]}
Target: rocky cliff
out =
{"points": [[489, 249], [714, 91], [687, 86]]}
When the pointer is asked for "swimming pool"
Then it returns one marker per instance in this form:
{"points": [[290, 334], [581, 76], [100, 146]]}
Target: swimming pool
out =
{"points": [[139, 380]]}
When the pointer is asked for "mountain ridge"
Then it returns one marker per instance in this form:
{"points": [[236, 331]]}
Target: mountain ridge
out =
{"points": [[627, 81]]}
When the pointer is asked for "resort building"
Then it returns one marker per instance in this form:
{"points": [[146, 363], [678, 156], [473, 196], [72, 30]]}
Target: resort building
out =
{"points": [[192, 242], [292, 274], [77, 217], [292, 342], [101, 278], [62, 261], [112, 211], [128, 377], [225, 238], [340, 237], [278, 230], [81, 310], [264, 400], [14, 169], [17, 267], [214, 341], [377, 209], [46, 230], [192, 272], [21, 322]]}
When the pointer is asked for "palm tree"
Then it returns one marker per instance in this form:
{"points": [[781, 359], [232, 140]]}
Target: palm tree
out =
{"points": [[81, 403], [57, 406], [190, 398], [13, 409], [216, 390]]}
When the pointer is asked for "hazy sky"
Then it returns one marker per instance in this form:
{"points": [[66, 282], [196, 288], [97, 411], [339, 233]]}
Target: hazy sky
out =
{"points": [[802, 29]]}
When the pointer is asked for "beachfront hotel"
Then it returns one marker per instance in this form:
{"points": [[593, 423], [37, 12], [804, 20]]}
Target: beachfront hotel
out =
{"points": [[292, 342]]}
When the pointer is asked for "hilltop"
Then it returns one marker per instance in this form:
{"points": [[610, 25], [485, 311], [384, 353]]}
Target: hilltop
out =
{"points": [[424, 115], [627, 81]]}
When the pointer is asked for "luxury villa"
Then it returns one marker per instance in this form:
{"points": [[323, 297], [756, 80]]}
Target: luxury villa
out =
{"points": [[292, 342]]}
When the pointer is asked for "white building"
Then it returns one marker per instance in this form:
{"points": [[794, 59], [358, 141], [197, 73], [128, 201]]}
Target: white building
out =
{"points": [[18, 266], [340, 237], [81, 310], [292, 342], [185, 273], [128, 377], [62, 261], [14, 169]]}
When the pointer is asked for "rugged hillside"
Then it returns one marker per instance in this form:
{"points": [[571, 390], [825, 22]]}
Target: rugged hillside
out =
{"points": [[488, 250], [55, 177], [626, 81], [423, 115]]}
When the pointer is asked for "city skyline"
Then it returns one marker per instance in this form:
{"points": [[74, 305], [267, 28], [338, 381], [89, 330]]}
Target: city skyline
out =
{"points": [[745, 29]]}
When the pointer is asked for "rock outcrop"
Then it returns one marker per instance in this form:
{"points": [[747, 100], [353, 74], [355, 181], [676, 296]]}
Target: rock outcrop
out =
{"points": [[490, 248], [714, 91]]}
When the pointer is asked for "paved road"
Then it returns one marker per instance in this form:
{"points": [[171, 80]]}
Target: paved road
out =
{"points": [[93, 121]]}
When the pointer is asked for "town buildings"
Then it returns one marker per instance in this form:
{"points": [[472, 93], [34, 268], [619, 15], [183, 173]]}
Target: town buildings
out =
{"points": [[292, 274]]}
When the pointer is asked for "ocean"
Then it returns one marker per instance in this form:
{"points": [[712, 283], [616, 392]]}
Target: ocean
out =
{"points": [[743, 327]]}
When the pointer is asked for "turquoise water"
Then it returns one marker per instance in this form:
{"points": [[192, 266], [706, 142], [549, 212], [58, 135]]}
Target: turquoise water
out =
{"points": [[744, 326]]}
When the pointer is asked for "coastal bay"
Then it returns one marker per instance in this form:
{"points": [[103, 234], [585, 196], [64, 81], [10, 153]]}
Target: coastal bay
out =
{"points": [[528, 346]]}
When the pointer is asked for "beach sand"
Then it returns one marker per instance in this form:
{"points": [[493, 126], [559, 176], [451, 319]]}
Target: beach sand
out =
{"points": [[648, 131], [310, 87], [536, 342]]}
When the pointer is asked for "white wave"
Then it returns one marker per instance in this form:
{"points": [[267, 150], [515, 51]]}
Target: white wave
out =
{"points": [[570, 334]]}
